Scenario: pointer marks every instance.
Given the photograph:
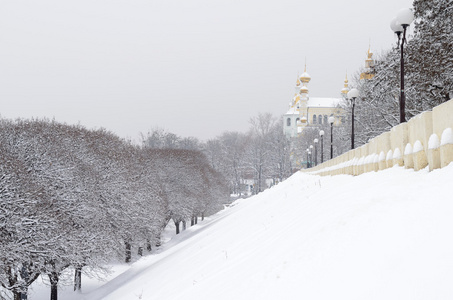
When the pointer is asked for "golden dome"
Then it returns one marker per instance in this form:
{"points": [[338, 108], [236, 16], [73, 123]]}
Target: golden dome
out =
{"points": [[303, 89], [305, 77]]}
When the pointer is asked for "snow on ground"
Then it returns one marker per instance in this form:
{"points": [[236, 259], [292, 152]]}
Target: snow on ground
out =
{"points": [[385, 235]]}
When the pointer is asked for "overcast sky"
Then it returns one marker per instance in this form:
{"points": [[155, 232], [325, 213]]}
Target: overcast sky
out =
{"points": [[193, 67]]}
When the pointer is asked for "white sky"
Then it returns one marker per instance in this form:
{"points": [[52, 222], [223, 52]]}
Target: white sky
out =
{"points": [[194, 67]]}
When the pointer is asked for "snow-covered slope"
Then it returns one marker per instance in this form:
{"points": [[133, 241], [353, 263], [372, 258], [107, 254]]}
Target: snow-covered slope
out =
{"points": [[385, 235]]}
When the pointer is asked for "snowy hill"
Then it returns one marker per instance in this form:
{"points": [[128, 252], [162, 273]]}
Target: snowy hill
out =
{"points": [[384, 235]]}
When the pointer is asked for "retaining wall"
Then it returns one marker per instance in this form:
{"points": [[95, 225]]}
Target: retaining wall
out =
{"points": [[425, 140]]}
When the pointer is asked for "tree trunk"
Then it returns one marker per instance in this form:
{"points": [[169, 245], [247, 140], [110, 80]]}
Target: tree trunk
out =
{"points": [[12, 280], [78, 279], [192, 221], [202, 216], [128, 252], [17, 295], [53, 286], [24, 294], [26, 277], [140, 251], [148, 245], [184, 225], [196, 220], [177, 227], [259, 180]]}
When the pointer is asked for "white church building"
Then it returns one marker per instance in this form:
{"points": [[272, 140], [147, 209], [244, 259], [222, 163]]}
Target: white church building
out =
{"points": [[310, 111]]}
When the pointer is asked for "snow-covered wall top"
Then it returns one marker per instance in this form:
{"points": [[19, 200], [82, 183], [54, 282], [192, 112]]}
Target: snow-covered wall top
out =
{"points": [[427, 140]]}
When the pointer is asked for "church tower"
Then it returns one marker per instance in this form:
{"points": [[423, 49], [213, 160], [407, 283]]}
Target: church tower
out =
{"points": [[296, 99], [305, 79], [369, 66], [297, 85], [345, 89]]}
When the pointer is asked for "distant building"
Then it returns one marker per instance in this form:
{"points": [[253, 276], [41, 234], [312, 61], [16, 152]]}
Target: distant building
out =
{"points": [[313, 112], [309, 111]]}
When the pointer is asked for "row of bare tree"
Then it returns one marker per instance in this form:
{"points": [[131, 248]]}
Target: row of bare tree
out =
{"points": [[72, 197], [253, 158]]}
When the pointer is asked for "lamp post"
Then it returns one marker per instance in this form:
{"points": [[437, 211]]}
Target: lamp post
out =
{"points": [[399, 25], [316, 152], [321, 134], [308, 153], [352, 95], [311, 155], [331, 121]]}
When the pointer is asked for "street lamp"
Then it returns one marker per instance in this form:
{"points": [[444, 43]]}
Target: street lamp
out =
{"points": [[316, 152], [399, 25], [311, 155], [321, 134], [352, 95], [308, 153], [331, 121]]}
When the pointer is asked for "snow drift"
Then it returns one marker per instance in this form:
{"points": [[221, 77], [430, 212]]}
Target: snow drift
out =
{"points": [[384, 235]]}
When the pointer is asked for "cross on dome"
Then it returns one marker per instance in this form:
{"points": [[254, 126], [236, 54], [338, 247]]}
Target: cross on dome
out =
{"points": [[305, 77]]}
